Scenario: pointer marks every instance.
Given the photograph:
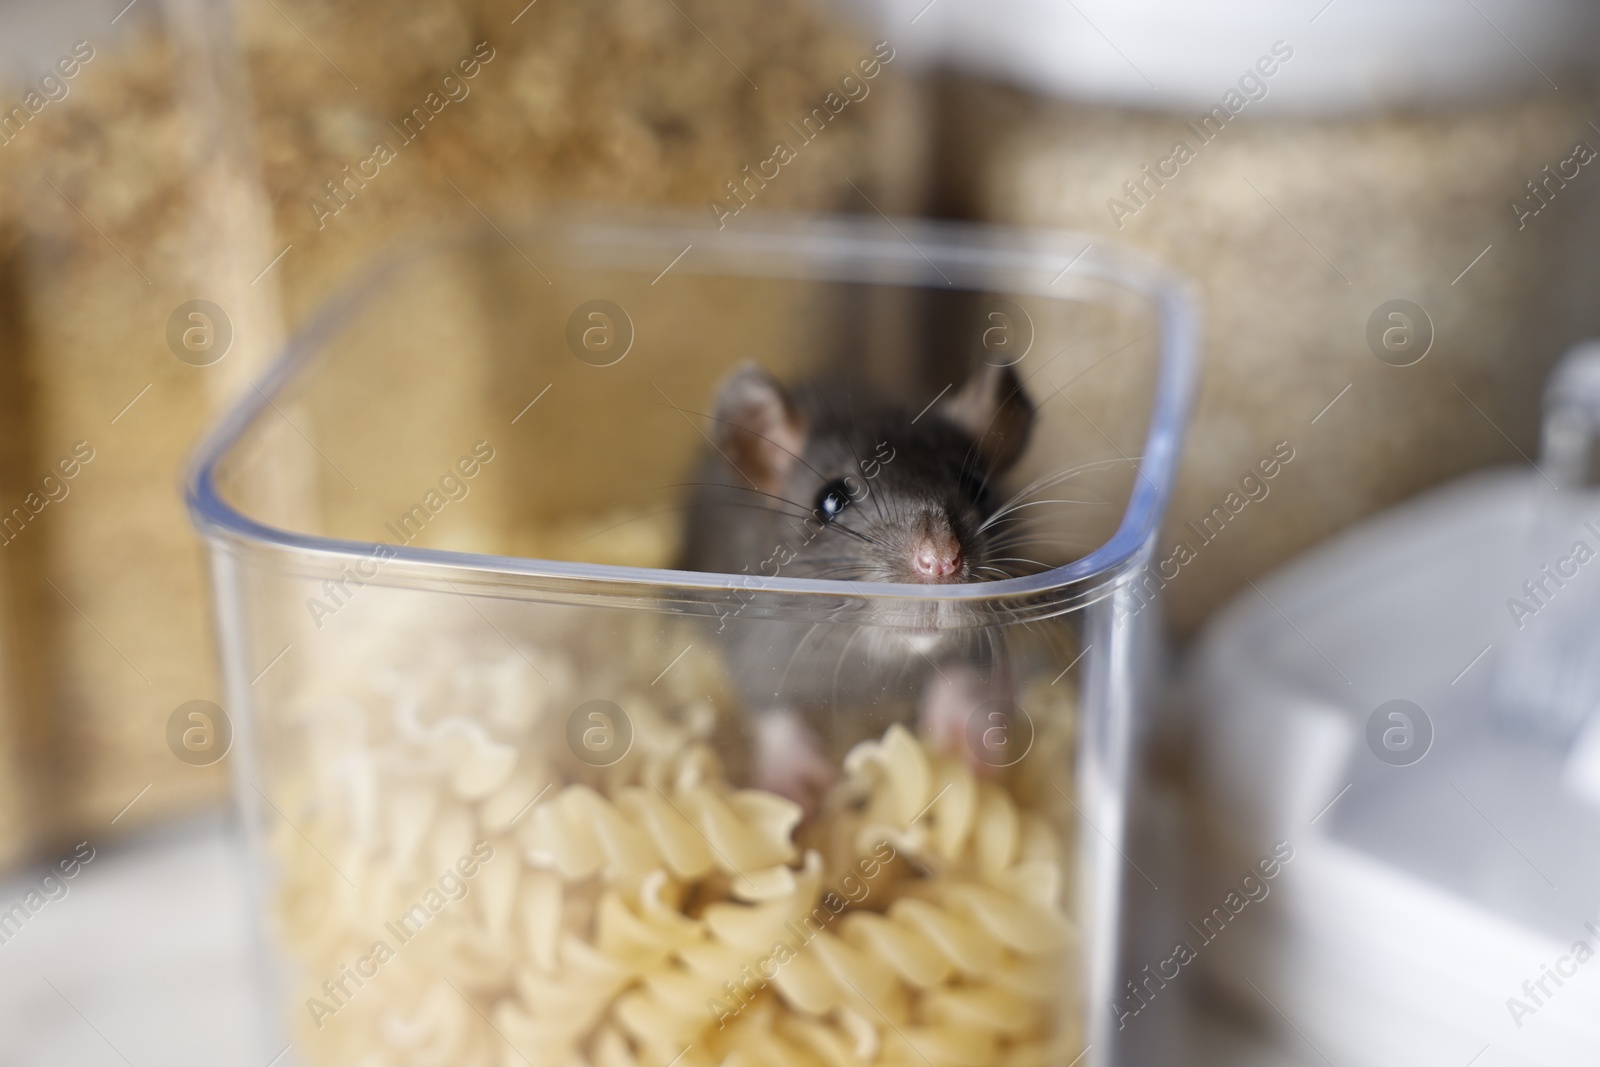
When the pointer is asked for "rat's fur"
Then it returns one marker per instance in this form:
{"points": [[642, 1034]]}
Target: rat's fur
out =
{"points": [[905, 478]]}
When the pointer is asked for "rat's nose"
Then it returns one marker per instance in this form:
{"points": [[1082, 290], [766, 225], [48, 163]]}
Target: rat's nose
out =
{"points": [[935, 558]]}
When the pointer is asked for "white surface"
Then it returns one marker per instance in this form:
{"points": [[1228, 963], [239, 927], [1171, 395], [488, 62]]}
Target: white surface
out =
{"points": [[1356, 55], [1422, 897], [149, 945], [1582, 773]]}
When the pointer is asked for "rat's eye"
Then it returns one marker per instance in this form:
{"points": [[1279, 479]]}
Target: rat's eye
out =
{"points": [[832, 501]]}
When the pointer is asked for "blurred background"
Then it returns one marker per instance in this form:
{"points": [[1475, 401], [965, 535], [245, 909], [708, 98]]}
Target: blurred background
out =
{"points": [[1315, 168]]}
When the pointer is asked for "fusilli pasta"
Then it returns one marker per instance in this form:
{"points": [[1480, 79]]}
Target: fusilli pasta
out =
{"points": [[649, 913]]}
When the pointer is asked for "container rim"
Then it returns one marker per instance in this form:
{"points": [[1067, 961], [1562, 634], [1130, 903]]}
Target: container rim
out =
{"points": [[929, 253]]}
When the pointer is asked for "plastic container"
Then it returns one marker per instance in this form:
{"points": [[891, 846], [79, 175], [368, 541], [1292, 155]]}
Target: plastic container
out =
{"points": [[1409, 708], [502, 805], [133, 124]]}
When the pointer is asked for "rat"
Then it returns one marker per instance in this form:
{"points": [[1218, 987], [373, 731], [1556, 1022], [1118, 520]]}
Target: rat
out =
{"points": [[826, 481]]}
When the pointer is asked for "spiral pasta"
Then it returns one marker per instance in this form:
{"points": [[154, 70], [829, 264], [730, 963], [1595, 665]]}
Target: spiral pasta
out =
{"points": [[692, 830], [649, 913], [966, 966]]}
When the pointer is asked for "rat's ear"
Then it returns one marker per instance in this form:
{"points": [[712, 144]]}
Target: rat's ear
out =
{"points": [[991, 408], [758, 427]]}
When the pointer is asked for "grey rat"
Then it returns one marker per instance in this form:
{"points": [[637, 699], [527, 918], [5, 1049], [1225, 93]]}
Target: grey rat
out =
{"points": [[825, 481]]}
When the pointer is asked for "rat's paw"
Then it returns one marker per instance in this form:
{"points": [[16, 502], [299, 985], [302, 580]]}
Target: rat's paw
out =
{"points": [[946, 710], [789, 759]]}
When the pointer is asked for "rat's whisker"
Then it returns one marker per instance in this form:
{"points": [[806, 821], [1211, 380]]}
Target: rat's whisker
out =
{"points": [[801, 509], [1014, 508], [645, 517], [1019, 559], [1051, 480], [1021, 536], [851, 445], [763, 508], [839, 527], [1040, 484], [816, 563], [800, 644], [843, 652], [809, 512], [795, 456], [842, 528]]}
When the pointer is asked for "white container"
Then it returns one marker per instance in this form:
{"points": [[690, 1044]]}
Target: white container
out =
{"points": [[1355, 705]]}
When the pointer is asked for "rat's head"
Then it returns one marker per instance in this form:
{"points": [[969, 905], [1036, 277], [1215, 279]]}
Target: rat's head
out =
{"points": [[875, 493]]}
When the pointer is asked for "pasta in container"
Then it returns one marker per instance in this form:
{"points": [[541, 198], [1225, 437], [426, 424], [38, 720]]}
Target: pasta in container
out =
{"points": [[499, 774]]}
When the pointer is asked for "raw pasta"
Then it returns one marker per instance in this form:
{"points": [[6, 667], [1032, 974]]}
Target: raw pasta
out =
{"points": [[458, 889]]}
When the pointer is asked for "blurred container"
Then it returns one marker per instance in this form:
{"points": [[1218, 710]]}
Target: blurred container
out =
{"points": [[1334, 158], [127, 193], [501, 805], [187, 159], [1547, 683], [1421, 728], [1365, 56]]}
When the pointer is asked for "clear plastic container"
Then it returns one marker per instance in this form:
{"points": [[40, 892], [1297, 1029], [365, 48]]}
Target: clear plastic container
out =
{"points": [[497, 777]]}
